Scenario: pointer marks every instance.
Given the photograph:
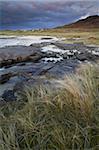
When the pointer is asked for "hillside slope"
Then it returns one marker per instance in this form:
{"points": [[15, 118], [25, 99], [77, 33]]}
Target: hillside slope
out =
{"points": [[89, 22]]}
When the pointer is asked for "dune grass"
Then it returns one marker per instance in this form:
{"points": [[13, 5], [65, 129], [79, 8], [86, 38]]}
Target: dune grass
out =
{"points": [[65, 119]]}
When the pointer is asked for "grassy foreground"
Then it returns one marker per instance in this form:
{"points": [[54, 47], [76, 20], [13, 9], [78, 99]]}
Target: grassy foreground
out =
{"points": [[43, 119]]}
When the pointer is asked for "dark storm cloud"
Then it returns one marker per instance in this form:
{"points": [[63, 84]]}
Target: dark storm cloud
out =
{"points": [[27, 14]]}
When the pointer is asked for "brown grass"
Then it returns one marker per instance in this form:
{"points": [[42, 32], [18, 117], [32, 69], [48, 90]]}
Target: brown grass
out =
{"points": [[65, 119]]}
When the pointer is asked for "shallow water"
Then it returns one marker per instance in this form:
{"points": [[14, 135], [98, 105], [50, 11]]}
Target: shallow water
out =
{"points": [[24, 40]]}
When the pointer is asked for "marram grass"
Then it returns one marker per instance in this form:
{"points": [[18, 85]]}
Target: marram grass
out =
{"points": [[65, 119]]}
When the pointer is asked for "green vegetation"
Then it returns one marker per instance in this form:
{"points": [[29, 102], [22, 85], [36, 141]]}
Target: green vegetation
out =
{"points": [[65, 119], [87, 36]]}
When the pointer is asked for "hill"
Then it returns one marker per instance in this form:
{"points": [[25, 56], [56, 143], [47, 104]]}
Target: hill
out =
{"points": [[89, 22]]}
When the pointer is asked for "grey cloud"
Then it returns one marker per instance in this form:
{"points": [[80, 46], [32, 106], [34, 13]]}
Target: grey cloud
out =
{"points": [[44, 14]]}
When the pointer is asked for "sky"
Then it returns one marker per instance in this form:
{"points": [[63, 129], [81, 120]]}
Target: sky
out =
{"points": [[38, 14]]}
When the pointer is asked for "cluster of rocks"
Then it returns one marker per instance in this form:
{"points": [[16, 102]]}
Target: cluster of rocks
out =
{"points": [[77, 51], [18, 54], [25, 65]]}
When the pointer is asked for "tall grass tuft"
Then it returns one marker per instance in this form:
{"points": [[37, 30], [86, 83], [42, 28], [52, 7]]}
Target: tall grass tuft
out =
{"points": [[65, 119]]}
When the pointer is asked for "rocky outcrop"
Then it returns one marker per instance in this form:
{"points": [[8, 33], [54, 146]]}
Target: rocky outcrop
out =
{"points": [[27, 65], [5, 77], [13, 55]]}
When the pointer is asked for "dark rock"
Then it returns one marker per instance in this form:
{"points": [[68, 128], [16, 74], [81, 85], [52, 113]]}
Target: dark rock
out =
{"points": [[60, 69], [5, 77], [52, 54], [34, 57], [65, 56], [9, 95], [81, 57], [92, 57], [46, 38], [86, 56]]}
